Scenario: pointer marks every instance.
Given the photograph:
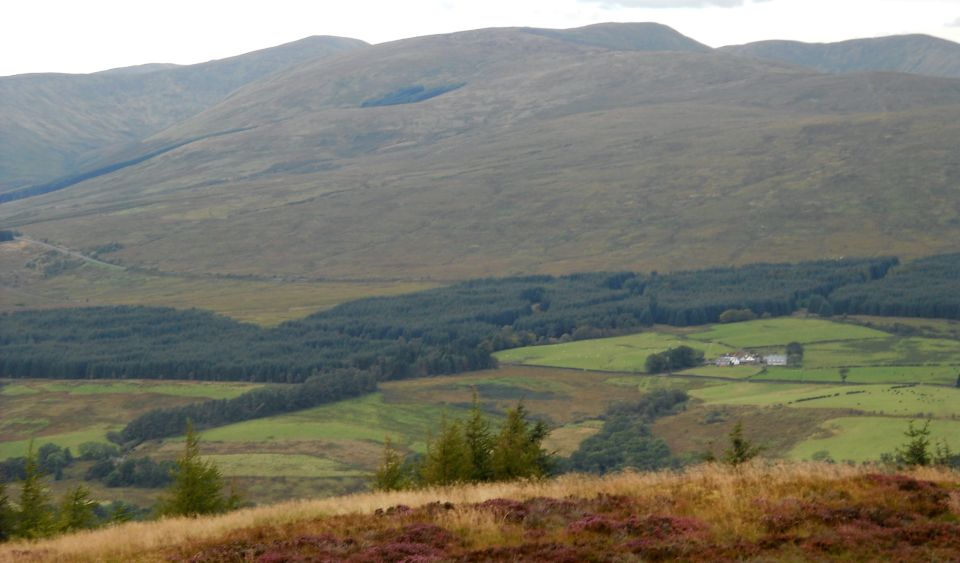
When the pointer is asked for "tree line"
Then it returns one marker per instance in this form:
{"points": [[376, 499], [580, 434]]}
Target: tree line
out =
{"points": [[345, 351], [196, 488], [439, 331], [258, 403], [109, 467], [929, 287], [626, 441], [469, 451]]}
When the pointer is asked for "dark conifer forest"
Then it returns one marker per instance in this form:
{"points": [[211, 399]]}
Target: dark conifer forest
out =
{"points": [[447, 330]]}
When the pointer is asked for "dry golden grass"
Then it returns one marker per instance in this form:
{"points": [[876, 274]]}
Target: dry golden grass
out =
{"points": [[724, 496]]}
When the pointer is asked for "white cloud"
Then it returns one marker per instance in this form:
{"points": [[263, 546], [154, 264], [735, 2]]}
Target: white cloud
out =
{"points": [[98, 34], [669, 3]]}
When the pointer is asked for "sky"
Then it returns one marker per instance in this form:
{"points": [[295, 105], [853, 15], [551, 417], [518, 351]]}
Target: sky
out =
{"points": [[79, 36]]}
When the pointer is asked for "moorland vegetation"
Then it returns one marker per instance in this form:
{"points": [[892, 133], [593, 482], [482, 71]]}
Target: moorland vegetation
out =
{"points": [[755, 510]]}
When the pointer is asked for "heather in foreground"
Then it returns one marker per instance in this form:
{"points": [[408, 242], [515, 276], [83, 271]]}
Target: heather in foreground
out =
{"points": [[753, 512]]}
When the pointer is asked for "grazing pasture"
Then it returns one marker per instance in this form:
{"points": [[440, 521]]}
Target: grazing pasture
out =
{"points": [[780, 331], [621, 353], [334, 448], [890, 400], [851, 373], [68, 413], [862, 438]]}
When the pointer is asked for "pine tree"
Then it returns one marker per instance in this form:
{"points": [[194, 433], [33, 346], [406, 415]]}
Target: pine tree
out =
{"points": [[740, 450], [476, 433], [517, 453], [448, 458], [390, 476], [120, 512], [76, 510], [6, 514], [916, 451], [35, 517], [942, 454], [197, 484]]}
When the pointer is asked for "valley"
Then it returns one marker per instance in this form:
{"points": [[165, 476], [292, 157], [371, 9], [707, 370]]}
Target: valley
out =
{"points": [[725, 280], [800, 413]]}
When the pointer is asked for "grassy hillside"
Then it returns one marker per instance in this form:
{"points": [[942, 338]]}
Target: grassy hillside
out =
{"points": [[335, 448], [320, 451], [54, 279], [58, 124], [68, 413], [917, 54], [762, 512], [547, 154]]}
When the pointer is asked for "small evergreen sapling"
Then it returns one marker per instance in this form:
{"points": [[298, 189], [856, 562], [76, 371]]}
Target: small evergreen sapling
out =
{"points": [[35, 517], [448, 458], [476, 432], [916, 450], [391, 476], [76, 510], [740, 450], [517, 452], [197, 484], [6, 514]]}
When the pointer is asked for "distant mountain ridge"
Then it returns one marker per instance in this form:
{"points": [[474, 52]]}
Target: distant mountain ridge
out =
{"points": [[53, 125], [512, 151], [140, 69], [915, 54], [625, 37]]}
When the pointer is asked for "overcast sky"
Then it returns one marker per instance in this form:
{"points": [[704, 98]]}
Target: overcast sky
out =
{"points": [[90, 35]]}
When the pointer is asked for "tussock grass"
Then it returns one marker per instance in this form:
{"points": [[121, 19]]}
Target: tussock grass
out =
{"points": [[725, 497]]}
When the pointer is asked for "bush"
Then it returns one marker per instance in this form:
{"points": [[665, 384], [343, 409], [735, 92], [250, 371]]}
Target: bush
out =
{"points": [[737, 315], [678, 358]]}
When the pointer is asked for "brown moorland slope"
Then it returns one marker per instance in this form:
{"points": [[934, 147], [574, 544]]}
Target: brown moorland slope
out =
{"points": [[751, 513], [544, 153], [58, 124]]}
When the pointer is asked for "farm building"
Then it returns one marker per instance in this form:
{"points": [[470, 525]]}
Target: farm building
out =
{"points": [[775, 359], [737, 359]]}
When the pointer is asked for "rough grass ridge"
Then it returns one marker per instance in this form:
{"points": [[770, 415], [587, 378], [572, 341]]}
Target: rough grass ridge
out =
{"points": [[795, 511]]}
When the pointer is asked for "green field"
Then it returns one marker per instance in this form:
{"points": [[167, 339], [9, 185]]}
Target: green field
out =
{"points": [[878, 364], [730, 372], [883, 352], [780, 331], [622, 353], [872, 356], [863, 438], [280, 465], [93, 433], [891, 400], [366, 418], [936, 374]]}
